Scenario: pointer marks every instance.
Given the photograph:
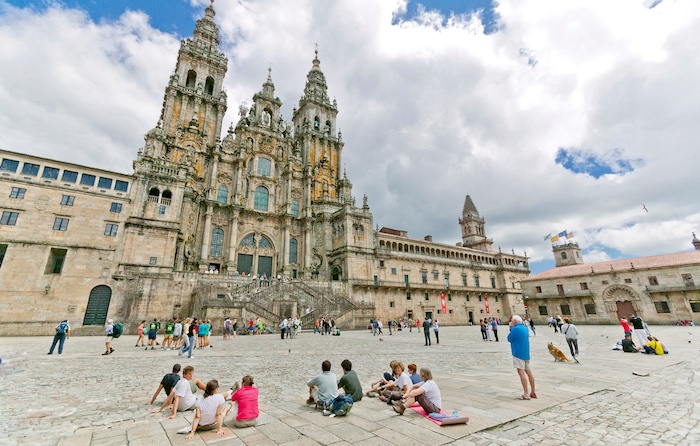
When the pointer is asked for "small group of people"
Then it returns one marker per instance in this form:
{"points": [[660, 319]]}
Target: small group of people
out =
{"points": [[230, 328], [652, 347], [211, 408], [290, 327], [323, 388], [487, 326], [556, 322], [401, 388], [685, 323], [325, 325]]}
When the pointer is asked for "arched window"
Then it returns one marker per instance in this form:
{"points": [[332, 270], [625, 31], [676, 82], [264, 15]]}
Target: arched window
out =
{"points": [[293, 248], [167, 194], [563, 256], [295, 208], [261, 198], [209, 86], [249, 240], [265, 242], [222, 195], [217, 242], [191, 79], [317, 123], [335, 273], [154, 192], [264, 167], [328, 127]]}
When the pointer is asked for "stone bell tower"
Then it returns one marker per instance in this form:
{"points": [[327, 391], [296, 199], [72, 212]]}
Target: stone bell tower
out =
{"points": [[472, 224]]}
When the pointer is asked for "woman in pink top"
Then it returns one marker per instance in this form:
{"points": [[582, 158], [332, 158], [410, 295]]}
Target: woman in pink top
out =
{"points": [[247, 398]]}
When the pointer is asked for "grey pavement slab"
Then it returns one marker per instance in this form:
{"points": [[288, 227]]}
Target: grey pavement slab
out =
{"points": [[84, 398]]}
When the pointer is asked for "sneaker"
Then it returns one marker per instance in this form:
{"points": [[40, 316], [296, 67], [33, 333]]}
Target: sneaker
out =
{"points": [[111, 350], [310, 401], [185, 430], [191, 357], [326, 412], [400, 409], [105, 353], [146, 348], [153, 348], [167, 349]]}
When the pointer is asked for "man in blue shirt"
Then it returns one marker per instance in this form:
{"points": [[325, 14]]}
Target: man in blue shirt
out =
{"points": [[519, 339]]}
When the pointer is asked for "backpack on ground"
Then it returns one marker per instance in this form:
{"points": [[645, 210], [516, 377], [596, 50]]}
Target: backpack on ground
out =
{"points": [[117, 330], [341, 405], [62, 328]]}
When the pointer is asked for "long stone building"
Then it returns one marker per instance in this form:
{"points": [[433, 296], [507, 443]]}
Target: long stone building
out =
{"points": [[201, 214], [660, 289]]}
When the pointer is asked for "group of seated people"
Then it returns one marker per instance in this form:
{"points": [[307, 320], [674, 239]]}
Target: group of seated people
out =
{"points": [[402, 389], [654, 346], [399, 388], [211, 408]]}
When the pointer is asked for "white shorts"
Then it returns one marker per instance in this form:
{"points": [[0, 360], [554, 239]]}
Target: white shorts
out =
{"points": [[521, 364], [109, 338]]}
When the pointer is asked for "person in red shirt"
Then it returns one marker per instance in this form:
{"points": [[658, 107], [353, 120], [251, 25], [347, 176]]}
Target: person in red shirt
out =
{"points": [[247, 399], [625, 326]]}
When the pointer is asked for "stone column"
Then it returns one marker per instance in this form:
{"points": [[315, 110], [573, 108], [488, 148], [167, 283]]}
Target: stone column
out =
{"points": [[206, 237], [233, 237], [307, 247], [285, 245]]}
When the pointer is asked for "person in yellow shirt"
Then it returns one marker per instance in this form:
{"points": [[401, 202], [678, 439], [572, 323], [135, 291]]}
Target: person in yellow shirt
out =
{"points": [[654, 346]]}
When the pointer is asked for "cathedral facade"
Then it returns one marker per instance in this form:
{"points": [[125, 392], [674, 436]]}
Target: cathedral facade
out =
{"points": [[202, 215]]}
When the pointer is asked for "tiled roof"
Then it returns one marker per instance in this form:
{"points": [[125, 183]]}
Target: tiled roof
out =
{"points": [[660, 261], [469, 207]]}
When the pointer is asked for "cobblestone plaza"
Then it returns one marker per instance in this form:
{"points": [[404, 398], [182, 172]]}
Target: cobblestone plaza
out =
{"points": [[83, 398]]}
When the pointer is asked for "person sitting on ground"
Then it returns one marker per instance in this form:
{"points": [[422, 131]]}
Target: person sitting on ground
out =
{"points": [[349, 382], [247, 399], [379, 385], [323, 388], [628, 344], [397, 389], [654, 347], [413, 374], [192, 383], [168, 383], [426, 394], [210, 411]]}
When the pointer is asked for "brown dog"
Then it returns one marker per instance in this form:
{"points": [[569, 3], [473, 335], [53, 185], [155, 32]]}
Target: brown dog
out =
{"points": [[559, 356]]}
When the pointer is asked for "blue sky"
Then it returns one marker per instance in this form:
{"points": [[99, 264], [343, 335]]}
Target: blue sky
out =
{"points": [[179, 16], [552, 115]]}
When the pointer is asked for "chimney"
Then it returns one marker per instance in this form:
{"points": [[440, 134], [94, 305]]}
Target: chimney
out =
{"points": [[428, 238]]}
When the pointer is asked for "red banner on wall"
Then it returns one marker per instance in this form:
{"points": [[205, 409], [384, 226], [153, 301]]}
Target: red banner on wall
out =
{"points": [[486, 301], [444, 303]]}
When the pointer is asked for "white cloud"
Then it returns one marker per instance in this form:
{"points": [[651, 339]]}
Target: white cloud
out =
{"points": [[428, 113]]}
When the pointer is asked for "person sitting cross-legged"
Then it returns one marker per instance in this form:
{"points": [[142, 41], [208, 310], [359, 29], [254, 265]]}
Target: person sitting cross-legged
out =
{"points": [[209, 412], [323, 388], [426, 394], [247, 399]]}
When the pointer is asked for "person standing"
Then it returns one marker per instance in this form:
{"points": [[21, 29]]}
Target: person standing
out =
{"points": [[192, 336], [571, 334], [153, 327], [532, 326], [520, 349], [436, 329], [638, 325], [139, 331], [109, 331], [494, 327], [283, 327], [426, 331], [62, 333], [410, 325]]}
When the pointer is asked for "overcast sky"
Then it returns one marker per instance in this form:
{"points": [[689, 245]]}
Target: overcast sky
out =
{"points": [[553, 115]]}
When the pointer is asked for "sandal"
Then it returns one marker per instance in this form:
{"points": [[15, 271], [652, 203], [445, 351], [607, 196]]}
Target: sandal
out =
{"points": [[533, 395], [523, 397]]}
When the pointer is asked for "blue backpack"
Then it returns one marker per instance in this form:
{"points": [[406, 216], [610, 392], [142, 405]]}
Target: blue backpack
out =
{"points": [[62, 328], [341, 405]]}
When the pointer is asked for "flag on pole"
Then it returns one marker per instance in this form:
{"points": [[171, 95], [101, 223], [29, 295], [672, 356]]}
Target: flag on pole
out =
{"points": [[562, 233], [554, 239], [570, 235], [547, 236]]}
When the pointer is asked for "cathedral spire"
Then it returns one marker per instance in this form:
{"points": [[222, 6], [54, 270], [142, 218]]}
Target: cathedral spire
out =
{"points": [[268, 90], [316, 89]]}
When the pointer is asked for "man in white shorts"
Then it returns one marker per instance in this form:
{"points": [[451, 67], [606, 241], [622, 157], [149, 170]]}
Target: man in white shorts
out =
{"points": [[519, 339]]}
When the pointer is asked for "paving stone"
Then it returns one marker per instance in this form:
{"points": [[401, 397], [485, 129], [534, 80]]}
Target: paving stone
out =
{"points": [[584, 403]]}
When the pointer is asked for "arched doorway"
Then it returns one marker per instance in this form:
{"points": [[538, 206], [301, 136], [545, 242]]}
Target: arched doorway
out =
{"points": [[622, 297], [98, 305]]}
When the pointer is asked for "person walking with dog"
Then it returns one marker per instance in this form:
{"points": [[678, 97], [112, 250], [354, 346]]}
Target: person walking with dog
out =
{"points": [[519, 339], [571, 334]]}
